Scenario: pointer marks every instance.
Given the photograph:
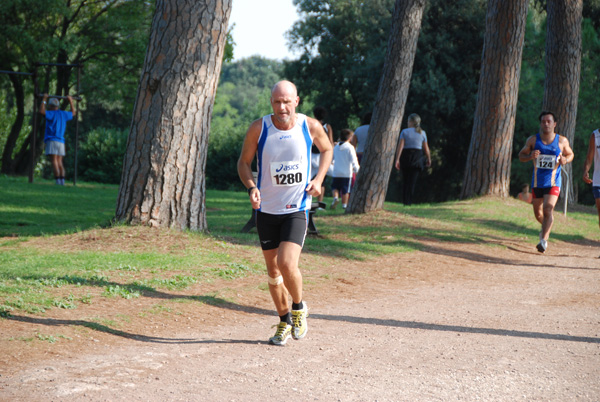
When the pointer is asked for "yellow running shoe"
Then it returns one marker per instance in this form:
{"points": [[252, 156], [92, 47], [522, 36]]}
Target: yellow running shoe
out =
{"points": [[283, 333], [299, 324]]}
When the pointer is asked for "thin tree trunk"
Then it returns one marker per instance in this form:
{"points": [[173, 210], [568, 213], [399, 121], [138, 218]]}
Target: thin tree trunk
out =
{"points": [[163, 179], [11, 141], [488, 161], [372, 181], [563, 69]]}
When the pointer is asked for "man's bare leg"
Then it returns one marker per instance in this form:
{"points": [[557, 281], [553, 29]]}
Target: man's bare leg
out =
{"points": [[279, 293], [548, 210], [538, 209], [288, 257]]}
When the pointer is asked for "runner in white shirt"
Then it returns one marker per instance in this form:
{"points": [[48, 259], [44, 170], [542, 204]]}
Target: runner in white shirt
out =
{"points": [[281, 197], [593, 154]]}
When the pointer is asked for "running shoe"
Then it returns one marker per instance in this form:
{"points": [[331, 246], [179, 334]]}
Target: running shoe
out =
{"points": [[283, 333], [334, 203], [542, 246], [299, 324]]}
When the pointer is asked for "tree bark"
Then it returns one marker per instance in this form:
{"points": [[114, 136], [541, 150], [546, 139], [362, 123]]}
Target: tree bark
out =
{"points": [[15, 130], [163, 179], [563, 69], [488, 160], [372, 180]]}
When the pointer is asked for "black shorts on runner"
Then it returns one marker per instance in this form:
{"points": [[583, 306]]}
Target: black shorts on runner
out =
{"points": [[540, 192], [273, 229]]}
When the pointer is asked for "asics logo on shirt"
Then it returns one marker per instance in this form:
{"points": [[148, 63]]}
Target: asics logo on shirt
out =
{"points": [[285, 137], [287, 168]]}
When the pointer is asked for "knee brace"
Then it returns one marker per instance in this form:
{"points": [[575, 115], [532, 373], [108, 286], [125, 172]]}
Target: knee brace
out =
{"points": [[276, 281]]}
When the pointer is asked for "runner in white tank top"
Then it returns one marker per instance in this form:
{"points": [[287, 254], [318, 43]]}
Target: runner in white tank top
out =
{"points": [[282, 195], [593, 154], [284, 171]]}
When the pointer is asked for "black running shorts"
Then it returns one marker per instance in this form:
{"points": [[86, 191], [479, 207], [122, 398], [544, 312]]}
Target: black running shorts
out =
{"points": [[273, 229]]}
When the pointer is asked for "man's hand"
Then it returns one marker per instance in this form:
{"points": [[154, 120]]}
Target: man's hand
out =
{"points": [[562, 160], [255, 198], [535, 154], [314, 188], [586, 178]]}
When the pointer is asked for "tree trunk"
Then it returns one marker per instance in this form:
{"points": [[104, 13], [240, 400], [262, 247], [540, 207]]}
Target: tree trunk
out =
{"points": [[11, 141], [372, 181], [488, 161], [563, 68], [163, 179]]}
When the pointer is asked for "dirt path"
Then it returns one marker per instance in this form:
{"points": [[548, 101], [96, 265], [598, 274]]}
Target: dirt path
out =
{"points": [[451, 322]]}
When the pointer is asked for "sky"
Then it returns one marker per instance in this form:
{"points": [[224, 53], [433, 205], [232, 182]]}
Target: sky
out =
{"points": [[260, 26]]}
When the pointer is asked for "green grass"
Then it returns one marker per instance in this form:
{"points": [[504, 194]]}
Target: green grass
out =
{"points": [[44, 208], [45, 230]]}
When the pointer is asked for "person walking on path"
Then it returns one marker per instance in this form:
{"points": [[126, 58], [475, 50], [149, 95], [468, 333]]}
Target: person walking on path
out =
{"points": [[54, 137], [593, 155], [282, 196], [409, 156], [344, 164], [359, 139], [549, 151]]}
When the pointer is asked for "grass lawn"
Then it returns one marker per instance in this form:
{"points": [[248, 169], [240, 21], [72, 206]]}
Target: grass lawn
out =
{"points": [[58, 248]]}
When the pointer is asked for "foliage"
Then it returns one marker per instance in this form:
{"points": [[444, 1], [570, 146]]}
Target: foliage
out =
{"points": [[229, 45], [588, 118], [343, 45], [108, 38], [443, 92], [242, 97], [531, 89], [8, 115], [102, 155]]}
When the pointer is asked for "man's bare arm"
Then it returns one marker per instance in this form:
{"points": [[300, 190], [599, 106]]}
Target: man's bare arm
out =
{"points": [[588, 160], [244, 164], [321, 140], [528, 153]]}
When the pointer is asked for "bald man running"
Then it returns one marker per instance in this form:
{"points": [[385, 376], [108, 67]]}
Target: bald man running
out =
{"points": [[282, 196]]}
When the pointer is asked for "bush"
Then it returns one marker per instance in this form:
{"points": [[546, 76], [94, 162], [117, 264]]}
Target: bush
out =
{"points": [[102, 155]]}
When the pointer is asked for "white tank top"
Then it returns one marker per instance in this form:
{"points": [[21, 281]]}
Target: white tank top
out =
{"points": [[284, 167], [596, 176]]}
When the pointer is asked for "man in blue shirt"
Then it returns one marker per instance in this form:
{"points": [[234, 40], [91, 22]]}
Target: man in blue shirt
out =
{"points": [[549, 151], [54, 138]]}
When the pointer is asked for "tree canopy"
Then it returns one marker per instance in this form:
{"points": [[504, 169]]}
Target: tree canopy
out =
{"points": [[342, 44]]}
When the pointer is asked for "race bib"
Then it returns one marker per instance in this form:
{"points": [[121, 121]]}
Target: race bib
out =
{"points": [[546, 161], [290, 173]]}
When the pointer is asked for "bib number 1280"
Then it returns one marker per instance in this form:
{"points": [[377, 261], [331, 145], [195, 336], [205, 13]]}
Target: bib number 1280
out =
{"points": [[286, 179]]}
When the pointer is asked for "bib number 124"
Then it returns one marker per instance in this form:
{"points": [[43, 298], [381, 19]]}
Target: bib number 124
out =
{"points": [[287, 179]]}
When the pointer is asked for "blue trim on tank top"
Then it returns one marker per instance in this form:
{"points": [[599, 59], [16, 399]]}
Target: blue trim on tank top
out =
{"points": [[309, 142], [259, 152]]}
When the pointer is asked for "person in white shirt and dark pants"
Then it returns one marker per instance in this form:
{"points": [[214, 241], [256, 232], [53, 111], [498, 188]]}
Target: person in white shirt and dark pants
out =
{"points": [[345, 163]]}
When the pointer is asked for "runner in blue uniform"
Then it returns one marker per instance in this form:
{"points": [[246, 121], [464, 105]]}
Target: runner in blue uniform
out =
{"points": [[549, 152], [282, 196]]}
